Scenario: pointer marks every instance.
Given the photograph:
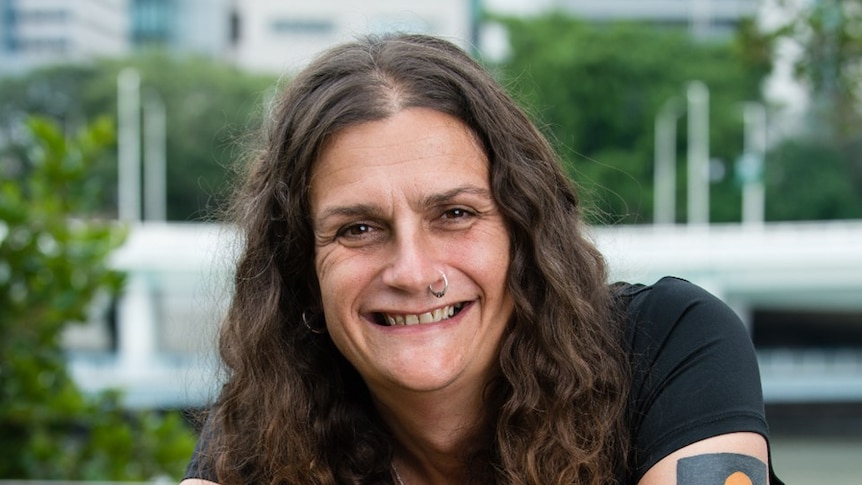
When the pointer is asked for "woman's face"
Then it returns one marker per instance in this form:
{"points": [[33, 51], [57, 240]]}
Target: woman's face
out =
{"points": [[394, 203]]}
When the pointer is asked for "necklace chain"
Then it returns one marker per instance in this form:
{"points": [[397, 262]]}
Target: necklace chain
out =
{"points": [[397, 475]]}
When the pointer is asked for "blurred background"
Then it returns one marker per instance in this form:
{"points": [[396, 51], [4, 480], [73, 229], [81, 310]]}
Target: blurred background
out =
{"points": [[717, 140]]}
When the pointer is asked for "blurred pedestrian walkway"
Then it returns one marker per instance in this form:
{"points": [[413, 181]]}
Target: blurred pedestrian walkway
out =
{"points": [[814, 444], [818, 461]]}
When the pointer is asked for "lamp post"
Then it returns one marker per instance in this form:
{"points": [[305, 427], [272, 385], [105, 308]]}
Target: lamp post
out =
{"points": [[129, 145], [664, 182], [698, 153], [155, 176], [750, 164]]}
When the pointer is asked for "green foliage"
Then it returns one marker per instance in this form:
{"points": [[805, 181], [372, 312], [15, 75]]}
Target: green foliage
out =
{"points": [[807, 180], [828, 34], [53, 261], [598, 88], [209, 108]]}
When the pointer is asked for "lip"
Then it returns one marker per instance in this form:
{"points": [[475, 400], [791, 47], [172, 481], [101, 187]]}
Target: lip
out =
{"points": [[422, 318]]}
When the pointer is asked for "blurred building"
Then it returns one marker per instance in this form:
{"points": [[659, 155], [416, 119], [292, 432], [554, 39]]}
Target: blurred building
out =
{"points": [[200, 27], [705, 18], [261, 35], [283, 36], [278, 36], [41, 32]]}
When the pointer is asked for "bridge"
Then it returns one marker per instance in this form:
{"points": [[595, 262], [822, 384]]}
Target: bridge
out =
{"points": [[800, 278], [792, 283]]}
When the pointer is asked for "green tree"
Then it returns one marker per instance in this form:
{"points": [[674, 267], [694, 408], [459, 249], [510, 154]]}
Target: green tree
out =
{"points": [[53, 261], [598, 87], [828, 34], [210, 107], [807, 180]]}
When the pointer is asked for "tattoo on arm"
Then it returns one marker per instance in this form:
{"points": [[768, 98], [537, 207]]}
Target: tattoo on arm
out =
{"points": [[721, 469]]}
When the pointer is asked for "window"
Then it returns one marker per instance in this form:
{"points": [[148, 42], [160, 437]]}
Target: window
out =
{"points": [[44, 45], [302, 26], [42, 15]]}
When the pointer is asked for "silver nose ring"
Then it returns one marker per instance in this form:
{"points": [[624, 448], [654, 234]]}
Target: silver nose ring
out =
{"points": [[439, 294]]}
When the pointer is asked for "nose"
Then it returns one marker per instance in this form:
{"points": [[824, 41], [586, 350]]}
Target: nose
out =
{"points": [[411, 266]]}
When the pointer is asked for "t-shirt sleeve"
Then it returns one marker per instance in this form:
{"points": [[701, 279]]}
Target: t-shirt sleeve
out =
{"points": [[695, 372]]}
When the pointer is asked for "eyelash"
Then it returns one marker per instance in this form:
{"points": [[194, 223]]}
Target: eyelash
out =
{"points": [[349, 230], [358, 230], [457, 213]]}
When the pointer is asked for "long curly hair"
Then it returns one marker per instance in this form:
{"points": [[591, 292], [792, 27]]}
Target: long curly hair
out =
{"points": [[294, 411]]}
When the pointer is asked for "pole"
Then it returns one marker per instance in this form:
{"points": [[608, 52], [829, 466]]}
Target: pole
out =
{"points": [[664, 184], [701, 18], [698, 153], [155, 166], [753, 192], [129, 145]]}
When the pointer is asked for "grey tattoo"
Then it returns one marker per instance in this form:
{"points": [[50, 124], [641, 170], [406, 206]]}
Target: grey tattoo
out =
{"points": [[721, 469]]}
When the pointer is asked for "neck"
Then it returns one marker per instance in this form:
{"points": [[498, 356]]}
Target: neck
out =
{"points": [[434, 434]]}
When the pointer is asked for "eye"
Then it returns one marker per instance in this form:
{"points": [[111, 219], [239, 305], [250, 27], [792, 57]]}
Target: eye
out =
{"points": [[354, 231], [457, 213], [456, 218]]}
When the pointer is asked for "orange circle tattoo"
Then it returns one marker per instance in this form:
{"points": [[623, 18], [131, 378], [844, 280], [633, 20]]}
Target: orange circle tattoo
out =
{"points": [[738, 478]]}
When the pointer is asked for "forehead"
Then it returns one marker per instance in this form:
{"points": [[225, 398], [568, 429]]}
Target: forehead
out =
{"points": [[413, 145], [410, 125]]}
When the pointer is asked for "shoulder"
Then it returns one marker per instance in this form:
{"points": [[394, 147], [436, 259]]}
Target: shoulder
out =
{"points": [[674, 325], [669, 297], [682, 342], [674, 310]]}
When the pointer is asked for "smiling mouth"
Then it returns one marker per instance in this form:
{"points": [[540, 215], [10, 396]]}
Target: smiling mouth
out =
{"points": [[438, 315]]}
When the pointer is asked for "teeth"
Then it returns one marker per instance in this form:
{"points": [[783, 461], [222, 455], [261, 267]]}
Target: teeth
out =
{"points": [[437, 315]]}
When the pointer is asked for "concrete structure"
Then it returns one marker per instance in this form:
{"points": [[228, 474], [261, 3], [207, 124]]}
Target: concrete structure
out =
{"points": [[271, 36], [161, 347], [779, 278], [278, 36], [704, 17], [40, 32], [201, 27]]}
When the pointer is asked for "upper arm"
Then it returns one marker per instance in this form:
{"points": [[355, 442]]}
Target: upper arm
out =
{"points": [[711, 460], [696, 384]]}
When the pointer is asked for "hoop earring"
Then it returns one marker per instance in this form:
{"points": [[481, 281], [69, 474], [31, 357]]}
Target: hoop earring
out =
{"points": [[309, 320], [441, 293]]}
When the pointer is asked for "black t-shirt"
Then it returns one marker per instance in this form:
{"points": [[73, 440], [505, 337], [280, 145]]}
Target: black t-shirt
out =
{"points": [[694, 371]]}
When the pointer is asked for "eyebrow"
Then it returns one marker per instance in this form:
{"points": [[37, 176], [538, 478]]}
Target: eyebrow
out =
{"points": [[353, 210], [366, 210], [444, 197]]}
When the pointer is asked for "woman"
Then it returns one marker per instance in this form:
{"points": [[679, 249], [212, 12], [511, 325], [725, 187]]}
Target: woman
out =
{"points": [[417, 303]]}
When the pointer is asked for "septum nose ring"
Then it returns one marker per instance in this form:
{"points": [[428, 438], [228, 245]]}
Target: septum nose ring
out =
{"points": [[439, 294]]}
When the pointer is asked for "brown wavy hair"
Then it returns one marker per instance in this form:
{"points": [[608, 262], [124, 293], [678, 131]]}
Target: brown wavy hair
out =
{"points": [[294, 411]]}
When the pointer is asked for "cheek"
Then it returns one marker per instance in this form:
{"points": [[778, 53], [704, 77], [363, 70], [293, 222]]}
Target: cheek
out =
{"points": [[340, 279], [490, 257], [335, 303], [327, 279]]}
